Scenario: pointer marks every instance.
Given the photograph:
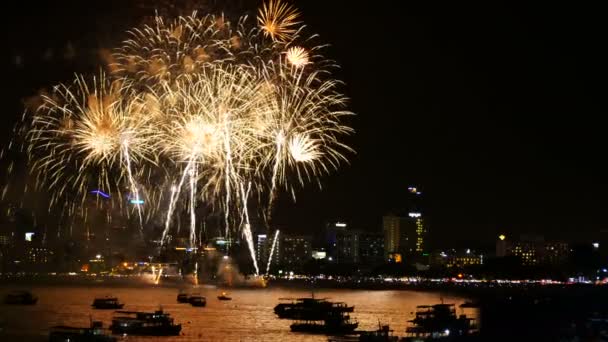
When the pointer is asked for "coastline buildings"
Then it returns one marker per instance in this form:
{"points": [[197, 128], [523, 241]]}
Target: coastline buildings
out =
{"points": [[456, 258], [533, 249], [295, 249]]}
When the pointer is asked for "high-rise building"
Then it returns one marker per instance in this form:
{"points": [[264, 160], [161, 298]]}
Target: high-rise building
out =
{"points": [[261, 249], [406, 234], [343, 243], [415, 217], [264, 248], [391, 225], [38, 255], [295, 250], [533, 250], [371, 248]]}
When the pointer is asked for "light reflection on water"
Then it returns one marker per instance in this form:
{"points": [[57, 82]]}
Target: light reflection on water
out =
{"points": [[248, 317]]}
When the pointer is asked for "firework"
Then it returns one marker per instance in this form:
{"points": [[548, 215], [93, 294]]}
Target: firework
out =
{"points": [[272, 248], [278, 20], [88, 134], [199, 112]]}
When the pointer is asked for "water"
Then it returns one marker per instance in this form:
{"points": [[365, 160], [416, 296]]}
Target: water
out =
{"points": [[248, 317]]}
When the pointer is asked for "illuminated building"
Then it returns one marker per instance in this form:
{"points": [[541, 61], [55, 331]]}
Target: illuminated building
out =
{"points": [[38, 255], [221, 244], [555, 252], [263, 248], [295, 250], [527, 251], [533, 250], [6, 241], [391, 225], [319, 254], [343, 243], [371, 248], [420, 233], [457, 258], [501, 246], [406, 234]]}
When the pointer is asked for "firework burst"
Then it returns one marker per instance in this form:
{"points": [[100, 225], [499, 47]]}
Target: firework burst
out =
{"points": [[212, 110]]}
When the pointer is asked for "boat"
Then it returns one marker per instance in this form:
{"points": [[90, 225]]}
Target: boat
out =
{"points": [[383, 334], [107, 303], [94, 333], [155, 323], [338, 325], [20, 298], [183, 298], [224, 296], [309, 308], [437, 322], [197, 300]]}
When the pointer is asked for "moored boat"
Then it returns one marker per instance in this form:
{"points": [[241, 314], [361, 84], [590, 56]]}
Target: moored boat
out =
{"points": [[155, 323], [439, 321], [106, 303], [197, 300], [20, 298], [333, 327], [224, 296], [337, 323], [183, 298], [94, 333], [310, 308]]}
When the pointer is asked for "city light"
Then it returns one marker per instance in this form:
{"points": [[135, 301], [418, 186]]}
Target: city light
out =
{"points": [[340, 224], [596, 245], [28, 236], [100, 193], [415, 215], [136, 201], [501, 237]]}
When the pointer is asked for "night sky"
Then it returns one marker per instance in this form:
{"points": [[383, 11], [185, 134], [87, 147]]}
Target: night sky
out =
{"points": [[495, 111]]}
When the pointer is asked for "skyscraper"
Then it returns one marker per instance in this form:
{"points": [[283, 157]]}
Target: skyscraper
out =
{"points": [[371, 248], [295, 250], [406, 234], [391, 226], [342, 243]]}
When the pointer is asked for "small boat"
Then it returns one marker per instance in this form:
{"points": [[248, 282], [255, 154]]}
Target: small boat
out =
{"points": [[383, 334], [155, 323], [94, 333], [183, 298], [107, 303], [340, 324], [310, 308], [224, 296], [197, 300], [20, 298], [439, 321]]}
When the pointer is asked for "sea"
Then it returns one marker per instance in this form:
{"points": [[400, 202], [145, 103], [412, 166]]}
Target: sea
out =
{"points": [[248, 316]]}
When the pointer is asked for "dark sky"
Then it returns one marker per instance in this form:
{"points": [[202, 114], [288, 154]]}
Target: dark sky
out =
{"points": [[495, 111]]}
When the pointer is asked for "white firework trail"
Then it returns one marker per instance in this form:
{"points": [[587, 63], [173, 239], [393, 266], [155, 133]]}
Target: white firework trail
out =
{"points": [[175, 192], [127, 157], [247, 227], [274, 244]]}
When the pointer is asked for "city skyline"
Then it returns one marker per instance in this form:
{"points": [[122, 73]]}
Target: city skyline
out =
{"points": [[482, 153]]}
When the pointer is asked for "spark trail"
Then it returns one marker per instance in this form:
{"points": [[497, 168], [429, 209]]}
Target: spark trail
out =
{"points": [[274, 244]]}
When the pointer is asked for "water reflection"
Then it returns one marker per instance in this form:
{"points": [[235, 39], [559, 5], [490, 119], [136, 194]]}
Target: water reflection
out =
{"points": [[248, 317]]}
